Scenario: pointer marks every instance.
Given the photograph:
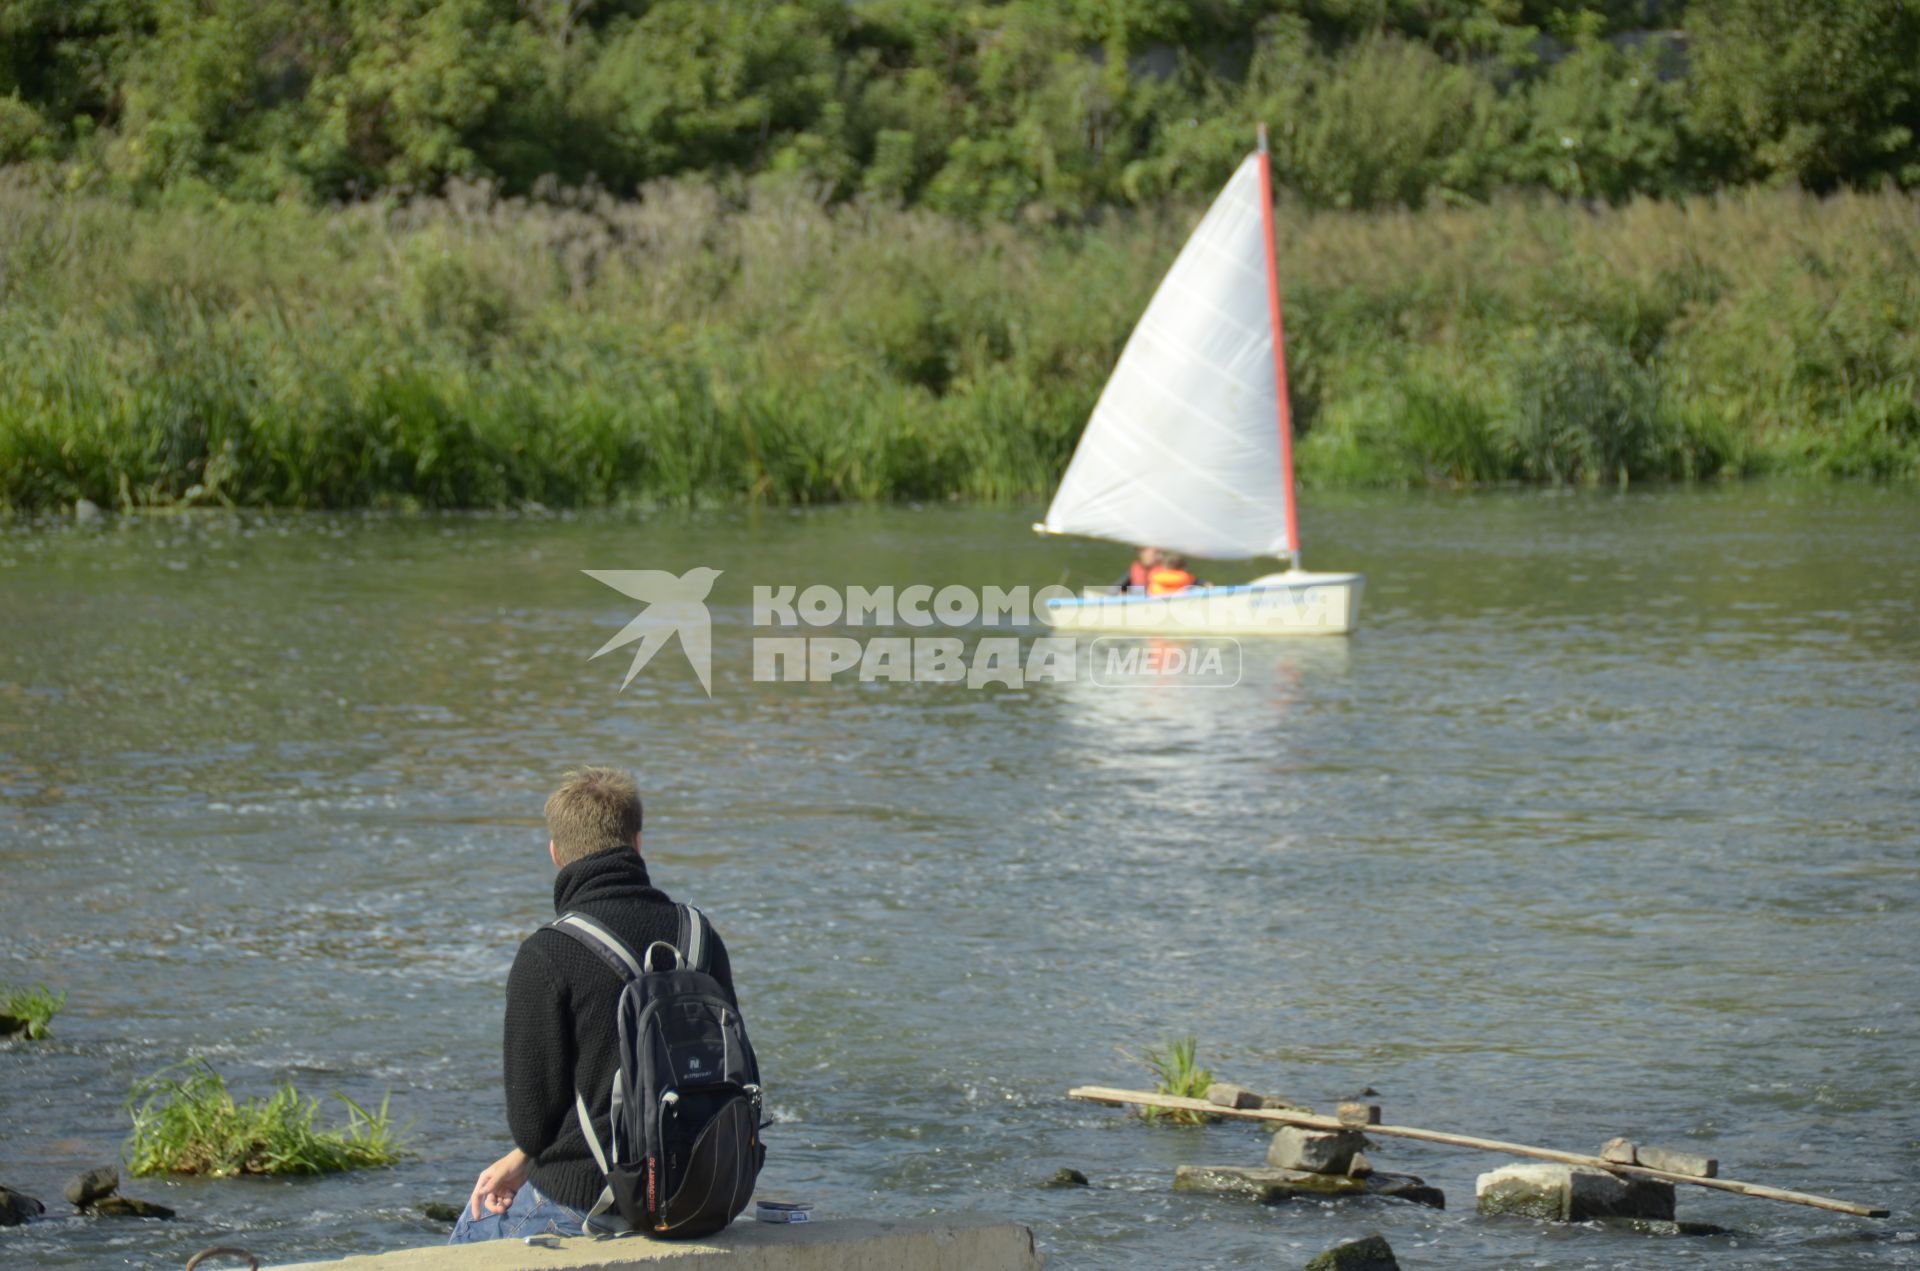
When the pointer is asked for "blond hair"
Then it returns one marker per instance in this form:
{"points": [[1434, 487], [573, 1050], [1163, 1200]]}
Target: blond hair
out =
{"points": [[594, 810]]}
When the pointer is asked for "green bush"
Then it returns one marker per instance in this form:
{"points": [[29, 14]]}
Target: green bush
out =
{"points": [[1583, 410], [29, 1012], [186, 1122]]}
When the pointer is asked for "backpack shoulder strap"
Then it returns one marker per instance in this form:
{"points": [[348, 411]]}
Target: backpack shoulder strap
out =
{"points": [[611, 948], [696, 937]]}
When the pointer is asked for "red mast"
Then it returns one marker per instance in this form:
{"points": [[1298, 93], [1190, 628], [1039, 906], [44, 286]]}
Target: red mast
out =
{"points": [[1279, 351]]}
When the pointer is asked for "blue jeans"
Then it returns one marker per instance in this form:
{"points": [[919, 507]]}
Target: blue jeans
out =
{"points": [[533, 1213]]}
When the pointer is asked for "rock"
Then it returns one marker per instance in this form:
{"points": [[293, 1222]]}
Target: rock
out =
{"points": [[1279, 1103], [1571, 1193], [1359, 1166], [1371, 1253], [86, 511], [1688, 1163], [128, 1207], [1407, 1187], [1231, 1096], [1272, 1186], [1322, 1151], [1268, 1186], [1619, 1151], [17, 1207], [84, 1189], [1662, 1227], [1066, 1177], [440, 1211], [1358, 1113]]}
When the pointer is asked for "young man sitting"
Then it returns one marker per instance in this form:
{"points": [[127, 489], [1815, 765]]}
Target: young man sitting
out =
{"points": [[560, 1016]]}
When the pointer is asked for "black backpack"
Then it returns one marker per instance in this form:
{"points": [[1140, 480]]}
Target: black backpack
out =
{"points": [[686, 1102]]}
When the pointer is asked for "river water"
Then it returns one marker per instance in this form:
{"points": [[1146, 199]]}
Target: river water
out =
{"points": [[1606, 822]]}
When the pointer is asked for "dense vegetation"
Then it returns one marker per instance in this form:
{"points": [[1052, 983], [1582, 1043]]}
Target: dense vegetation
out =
{"points": [[1037, 108], [492, 252], [186, 1122], [470, 351]]}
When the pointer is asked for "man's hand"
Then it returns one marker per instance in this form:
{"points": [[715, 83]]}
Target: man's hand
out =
{"points": [[498, 1182]]}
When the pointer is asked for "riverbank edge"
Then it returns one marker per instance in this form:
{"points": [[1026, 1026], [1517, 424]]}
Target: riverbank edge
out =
{"points": [[952, 1242], [87, 513]]}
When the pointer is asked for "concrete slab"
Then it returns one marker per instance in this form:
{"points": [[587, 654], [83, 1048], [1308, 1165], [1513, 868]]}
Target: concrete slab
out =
{"points": [[1571, 1193], [958, 1242]]}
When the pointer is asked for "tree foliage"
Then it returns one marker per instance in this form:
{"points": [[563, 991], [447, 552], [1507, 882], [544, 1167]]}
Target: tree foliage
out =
{"points": [[1038, 109]]}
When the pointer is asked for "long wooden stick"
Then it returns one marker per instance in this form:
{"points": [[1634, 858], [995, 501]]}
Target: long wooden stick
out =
{"points": [[1109, 1094]]}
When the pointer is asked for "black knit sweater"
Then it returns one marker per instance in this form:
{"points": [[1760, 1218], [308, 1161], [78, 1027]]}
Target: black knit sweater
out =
{"points": [[560, 1018]]}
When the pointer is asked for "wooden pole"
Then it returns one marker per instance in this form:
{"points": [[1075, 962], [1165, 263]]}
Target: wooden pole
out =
{"points": [[1109, 1094]]}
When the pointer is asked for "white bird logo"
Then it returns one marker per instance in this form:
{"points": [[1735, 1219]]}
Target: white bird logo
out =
{"points": [[675, 602]]}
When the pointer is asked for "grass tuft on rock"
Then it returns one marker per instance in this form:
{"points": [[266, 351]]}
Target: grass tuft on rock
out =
{"points": [[185, 1121], [1178, 1072], [29, 1011]]}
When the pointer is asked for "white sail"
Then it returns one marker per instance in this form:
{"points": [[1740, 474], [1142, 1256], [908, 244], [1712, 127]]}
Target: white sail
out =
{"points": [[1183, 449]]}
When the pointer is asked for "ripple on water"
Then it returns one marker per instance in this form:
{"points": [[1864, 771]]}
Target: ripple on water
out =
{"points": [[1605, 823]]}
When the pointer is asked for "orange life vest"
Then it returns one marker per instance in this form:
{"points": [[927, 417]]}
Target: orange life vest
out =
{"points": [[1164, 580], [1137, 577]]}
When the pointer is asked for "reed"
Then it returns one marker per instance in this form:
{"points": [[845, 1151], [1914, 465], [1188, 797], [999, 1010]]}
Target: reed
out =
{"points": [[185, 1121], [478, 351], [1177, 1072], [29, 1012]]}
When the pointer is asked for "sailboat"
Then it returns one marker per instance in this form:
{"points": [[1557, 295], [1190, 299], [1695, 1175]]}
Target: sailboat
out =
{"points": [[1190, 447]]}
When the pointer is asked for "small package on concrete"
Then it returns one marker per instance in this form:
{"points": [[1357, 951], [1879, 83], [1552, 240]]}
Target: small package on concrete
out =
{"points": [[1571, 1193], [782, 1211]]}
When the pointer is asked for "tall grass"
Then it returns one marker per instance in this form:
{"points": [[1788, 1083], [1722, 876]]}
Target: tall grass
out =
{"points": [[29, 1012], [690, 346], [1177, 1071], [185, 1121]]}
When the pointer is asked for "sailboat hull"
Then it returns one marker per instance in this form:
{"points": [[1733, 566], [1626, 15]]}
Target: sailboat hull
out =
{"points": [[1296, 603]]}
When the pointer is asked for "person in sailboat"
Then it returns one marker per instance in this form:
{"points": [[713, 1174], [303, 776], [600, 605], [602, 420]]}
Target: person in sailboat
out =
{"points": [[1135, 579], [1170, 576]]}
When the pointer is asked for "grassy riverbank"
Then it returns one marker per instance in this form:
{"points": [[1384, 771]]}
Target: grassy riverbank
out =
{"points": [[471, 351]]}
